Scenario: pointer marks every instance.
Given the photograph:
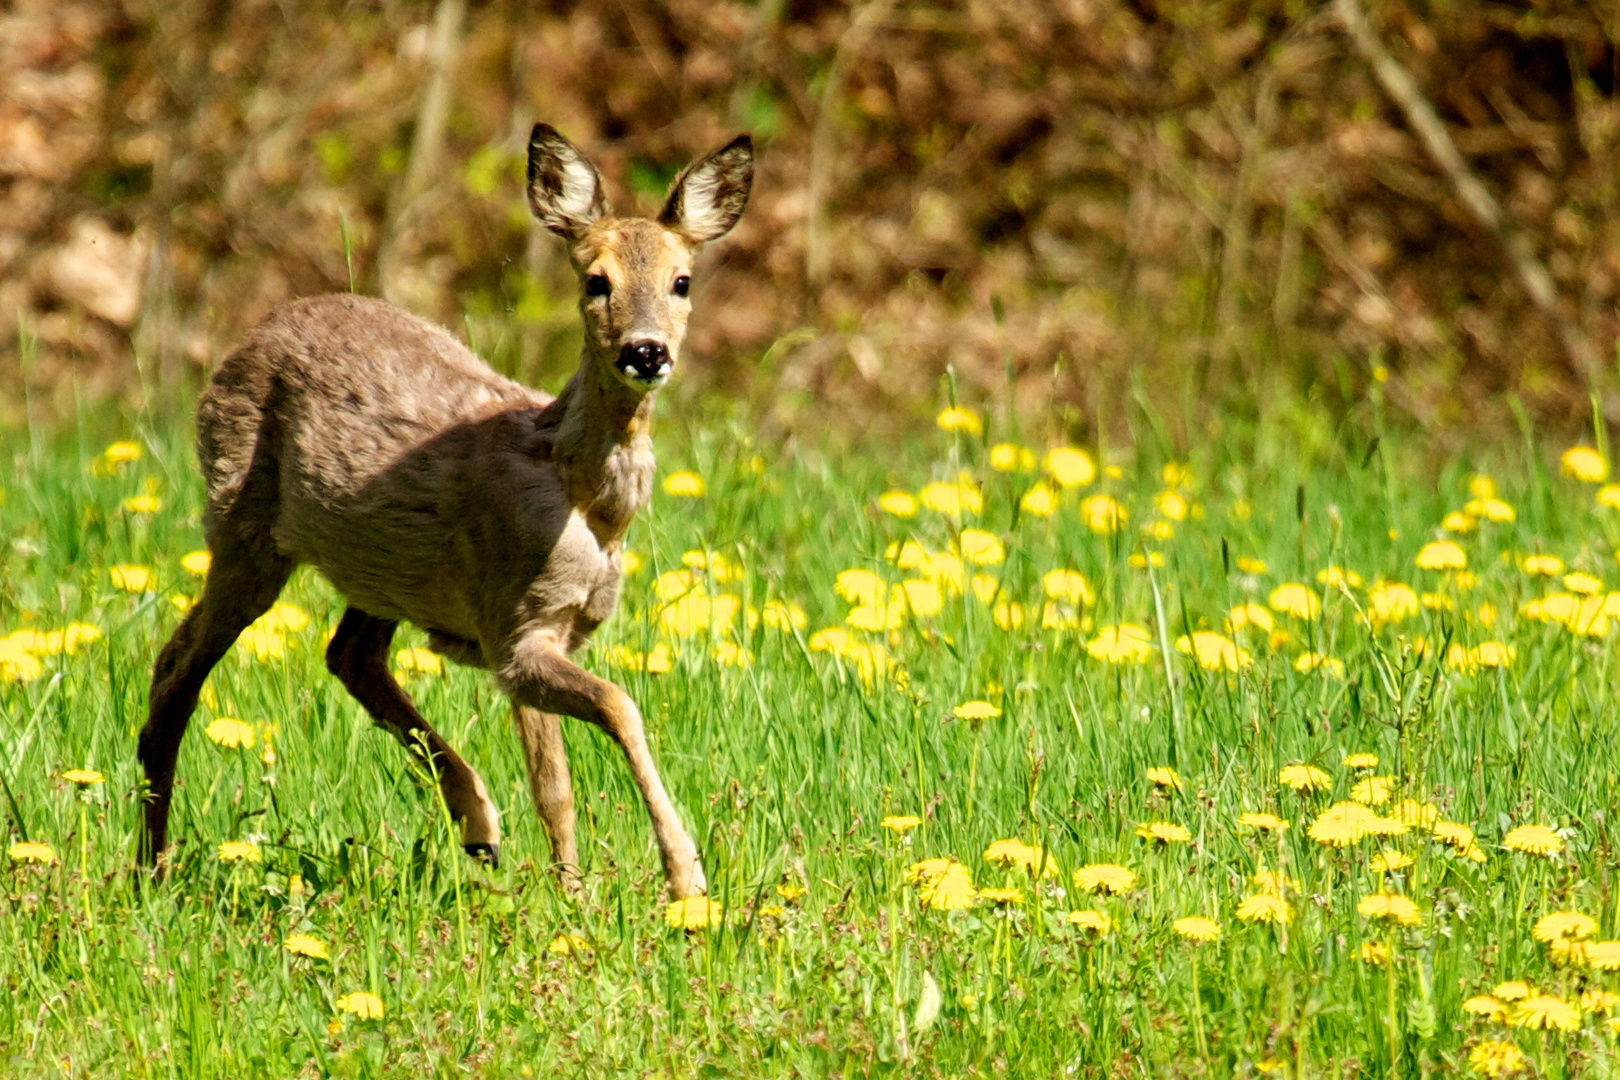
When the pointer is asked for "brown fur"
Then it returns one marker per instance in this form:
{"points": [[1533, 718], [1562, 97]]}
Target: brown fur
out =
{"points": [[353, 436]]}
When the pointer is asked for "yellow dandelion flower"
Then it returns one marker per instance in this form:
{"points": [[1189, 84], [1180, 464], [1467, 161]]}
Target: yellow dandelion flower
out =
{"points": [[17, 663], [1171, 504], [1542, 565], [1566, 925], [363, 1005], [1246, 615], [1584, 464], [133, 578], [1418, 815], [1492, 1009], [684, 485], [784, 615], [833, 639], [306, 945], [861, 587], [1533, 840], [1094, 921], [901, 504], [1103, 514], [1264, 907], [142, 504], [900, 824], [1583, 584], [1263, 822], [239, 851], [791, 891], [1374, 954], [1010, 457], [1515, 990], [196, 563], [1391, 602], [1459, 523], [1125, 643], [1389, 860], [1373, 790], [31, 851], [1297, 600], [1360, 761], [1105, 877], [231, 733], [1164, 776], [694, 913], [953, 499], [943, 884], [1163, 832], [1390, 907], [1304, 778], [1039, 501], [1013, 852], [1070, 467], [1342, 824], [907, 555], [1604, 955], [1214, 652], [1248, 565], [121, 452], [1453, 834], [981, 548], [84, 777], [1070, 586], [1196, 928], [1307, 662], [957, 419], [1543, 1012], [1599, 1001], [1441, 555], [1493, 1058], [415, 659], [1002, 896], [1609, 495], [977, 711], [1491, 510]]}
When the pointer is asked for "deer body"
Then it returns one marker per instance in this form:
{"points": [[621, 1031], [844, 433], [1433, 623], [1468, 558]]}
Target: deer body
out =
{"points": [[352, 436]]}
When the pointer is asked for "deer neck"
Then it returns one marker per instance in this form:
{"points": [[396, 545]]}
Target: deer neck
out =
{"points": [[602, 447]]}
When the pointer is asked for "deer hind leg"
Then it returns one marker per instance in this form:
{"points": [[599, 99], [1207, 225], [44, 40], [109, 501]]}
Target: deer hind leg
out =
{"points": [[358, 656], [540, 675], [245, 579], [551, 786]]}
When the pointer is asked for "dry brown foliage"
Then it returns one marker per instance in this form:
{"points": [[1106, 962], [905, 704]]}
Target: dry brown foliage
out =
{"points": [[1203, 199]]}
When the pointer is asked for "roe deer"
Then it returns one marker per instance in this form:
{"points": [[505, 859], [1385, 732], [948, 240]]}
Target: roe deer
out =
{"points": [[351, 435]]}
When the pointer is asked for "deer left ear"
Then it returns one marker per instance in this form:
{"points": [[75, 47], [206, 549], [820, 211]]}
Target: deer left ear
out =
{"points": [[708, 197]]}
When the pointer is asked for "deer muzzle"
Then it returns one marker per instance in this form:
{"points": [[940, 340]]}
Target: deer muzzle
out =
{"points": [[646, 362]]}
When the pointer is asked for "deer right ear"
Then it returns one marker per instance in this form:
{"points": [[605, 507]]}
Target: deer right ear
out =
{"points": [[565, 190]]}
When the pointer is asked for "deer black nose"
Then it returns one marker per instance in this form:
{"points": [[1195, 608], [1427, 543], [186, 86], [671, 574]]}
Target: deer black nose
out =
{"points": [[646, 359]]}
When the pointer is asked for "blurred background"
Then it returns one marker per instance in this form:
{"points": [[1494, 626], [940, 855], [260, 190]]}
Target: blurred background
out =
{"points": [[1078, 206]]}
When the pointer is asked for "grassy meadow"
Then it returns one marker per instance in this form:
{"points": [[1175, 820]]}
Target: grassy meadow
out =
{"points": [[956, 818]]}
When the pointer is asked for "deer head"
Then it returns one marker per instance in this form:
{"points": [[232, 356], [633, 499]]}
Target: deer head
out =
{"points": [[635, 272]]}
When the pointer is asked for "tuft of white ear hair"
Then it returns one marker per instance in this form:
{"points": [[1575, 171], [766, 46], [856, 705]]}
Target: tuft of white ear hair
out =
{"points": [[709, 196]]}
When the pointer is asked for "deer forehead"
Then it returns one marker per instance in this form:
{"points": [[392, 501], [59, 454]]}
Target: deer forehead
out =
{"points": [[632, 249]]}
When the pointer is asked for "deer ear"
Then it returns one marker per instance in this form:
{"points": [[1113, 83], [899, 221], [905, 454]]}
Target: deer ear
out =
{"points": [[565, 190], [708, 197]]}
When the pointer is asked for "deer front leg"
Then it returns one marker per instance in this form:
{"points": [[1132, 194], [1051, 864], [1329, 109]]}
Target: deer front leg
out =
{"points": [[540, 675], [551, 786]]}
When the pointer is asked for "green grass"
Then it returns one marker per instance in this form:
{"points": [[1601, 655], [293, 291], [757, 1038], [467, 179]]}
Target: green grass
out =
{"points": [[784, 769]]}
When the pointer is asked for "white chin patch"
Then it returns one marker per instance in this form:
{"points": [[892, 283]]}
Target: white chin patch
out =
{"points": [[637, 381]]}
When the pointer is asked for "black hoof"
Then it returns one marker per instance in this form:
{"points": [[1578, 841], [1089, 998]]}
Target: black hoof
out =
{"points": [[490, 853]]}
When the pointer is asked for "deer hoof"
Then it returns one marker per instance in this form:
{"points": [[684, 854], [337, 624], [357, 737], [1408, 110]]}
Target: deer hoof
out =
{"points": [[490, 853]]}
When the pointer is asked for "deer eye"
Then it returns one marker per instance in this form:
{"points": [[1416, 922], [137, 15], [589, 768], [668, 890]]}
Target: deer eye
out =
{"points": [[682, 285], [597, 285]]}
